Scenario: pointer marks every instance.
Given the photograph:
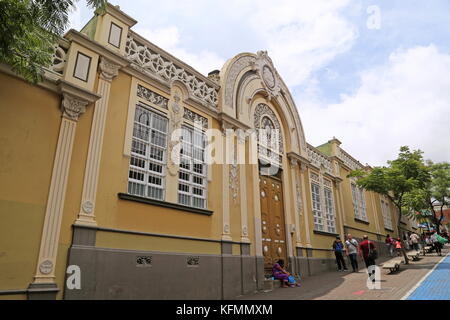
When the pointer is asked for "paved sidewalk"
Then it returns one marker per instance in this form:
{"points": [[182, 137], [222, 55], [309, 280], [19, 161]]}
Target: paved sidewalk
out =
{"points": [[436, 285], [352, 286]]}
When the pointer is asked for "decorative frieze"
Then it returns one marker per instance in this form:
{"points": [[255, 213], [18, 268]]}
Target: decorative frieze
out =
{"points": [[152, 97], [195, 118], [348, 160], [153, 63], [319, 160]]}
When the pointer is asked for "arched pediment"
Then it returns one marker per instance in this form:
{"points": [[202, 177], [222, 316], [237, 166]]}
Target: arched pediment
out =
{"points": [[247, 76]]}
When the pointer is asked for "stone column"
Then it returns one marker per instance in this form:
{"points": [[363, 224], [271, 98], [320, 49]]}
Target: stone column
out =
{"points": [[72, 107], [243, 186], [226, 228], [297, 201], [302, 178], [86, 216]]}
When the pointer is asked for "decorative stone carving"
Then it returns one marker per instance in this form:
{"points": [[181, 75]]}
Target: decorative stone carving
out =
{"points": [[245, 231], [234, 181], [108, 69], [226, 228], [87, 207], [152, 97], [176, 120], [320, 161], [46, 267], [59, 59], [159, 67], [193, 261], [299, 196], [195, 117], [144, 261], [233, 73], [348, 160], [72, 107], [263, 65]]}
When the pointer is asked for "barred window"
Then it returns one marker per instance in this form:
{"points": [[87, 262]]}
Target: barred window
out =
{"points": [[317, 208], [359, 202], [329, 206], [148, 154], [192, 183]]}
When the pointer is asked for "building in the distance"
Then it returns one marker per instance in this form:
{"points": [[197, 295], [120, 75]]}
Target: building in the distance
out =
{"points": [[94, 205]]}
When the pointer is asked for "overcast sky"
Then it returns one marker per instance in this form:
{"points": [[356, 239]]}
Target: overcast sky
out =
{"points": [[375, 84]]}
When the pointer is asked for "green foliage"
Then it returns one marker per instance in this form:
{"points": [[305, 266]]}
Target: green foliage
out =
{"points": [[28, 31], [401, 180], [401, 176], [412, 184]]}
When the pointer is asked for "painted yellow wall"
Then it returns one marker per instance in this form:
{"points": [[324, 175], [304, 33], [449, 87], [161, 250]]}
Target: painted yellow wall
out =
{"points": [[29, 126]]}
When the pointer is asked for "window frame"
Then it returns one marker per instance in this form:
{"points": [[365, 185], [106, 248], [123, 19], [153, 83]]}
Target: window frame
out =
{"points": [[192, 174], [152, 148]]}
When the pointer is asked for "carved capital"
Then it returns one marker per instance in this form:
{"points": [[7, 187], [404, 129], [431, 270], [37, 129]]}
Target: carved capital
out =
{"points": [[72, 107], [108, 70]]}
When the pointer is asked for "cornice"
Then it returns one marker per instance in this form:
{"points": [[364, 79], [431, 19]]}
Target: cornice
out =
{"points": [[117, 13]]}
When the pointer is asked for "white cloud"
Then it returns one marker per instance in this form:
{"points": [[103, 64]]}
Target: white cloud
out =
{"points": [[404, 102], [168, 38], [303, 36], [300, 36]]}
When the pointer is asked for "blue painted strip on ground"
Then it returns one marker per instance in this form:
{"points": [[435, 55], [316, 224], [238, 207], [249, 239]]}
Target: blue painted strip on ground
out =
{"points": [[436, 286]]}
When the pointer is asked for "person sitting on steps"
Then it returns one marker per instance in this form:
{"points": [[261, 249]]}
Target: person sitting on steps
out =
{"points": [[280, 274]]}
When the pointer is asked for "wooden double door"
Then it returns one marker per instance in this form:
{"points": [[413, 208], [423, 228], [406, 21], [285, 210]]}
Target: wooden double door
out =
{"points": [[272, 221]]}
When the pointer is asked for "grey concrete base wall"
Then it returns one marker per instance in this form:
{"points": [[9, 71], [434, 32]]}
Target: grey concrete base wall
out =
{"points": [[248, 265], [260, 273], [128, 274]]}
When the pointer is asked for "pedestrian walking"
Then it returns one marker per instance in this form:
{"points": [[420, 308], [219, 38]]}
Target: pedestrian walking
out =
{"points": [[398, 247], [436, 244], [390, 245], [368, 252], [338, 248], [352, 251], [415, 241]]}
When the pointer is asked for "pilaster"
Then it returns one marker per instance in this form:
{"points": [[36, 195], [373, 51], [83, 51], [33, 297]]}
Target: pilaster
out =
{"points": [[108, 71]]}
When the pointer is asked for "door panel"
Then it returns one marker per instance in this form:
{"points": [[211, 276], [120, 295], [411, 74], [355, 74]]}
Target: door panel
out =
{"points": [[272, 221]]}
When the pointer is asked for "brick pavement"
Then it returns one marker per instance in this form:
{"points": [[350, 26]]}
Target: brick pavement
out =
{"points": [[352, 286]]}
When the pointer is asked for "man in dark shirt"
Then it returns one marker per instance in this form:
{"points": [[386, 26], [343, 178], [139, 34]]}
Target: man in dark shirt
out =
{"points": [[338, 247], [365, 247]]}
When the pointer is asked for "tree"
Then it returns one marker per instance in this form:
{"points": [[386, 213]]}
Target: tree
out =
{"points": [[28, 31], [436, 193], [402, 176]]}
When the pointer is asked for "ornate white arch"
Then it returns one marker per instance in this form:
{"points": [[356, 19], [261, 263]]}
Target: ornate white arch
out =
{"points": [[247, 75]]}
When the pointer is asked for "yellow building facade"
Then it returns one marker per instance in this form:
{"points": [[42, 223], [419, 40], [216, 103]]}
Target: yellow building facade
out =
{"points": [[106, 192]]}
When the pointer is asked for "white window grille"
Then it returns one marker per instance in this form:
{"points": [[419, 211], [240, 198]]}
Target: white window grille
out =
{"points": [[317, 207], [359, 202], [192, 181], [329, 209], [387, 216], [147, 171]]}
